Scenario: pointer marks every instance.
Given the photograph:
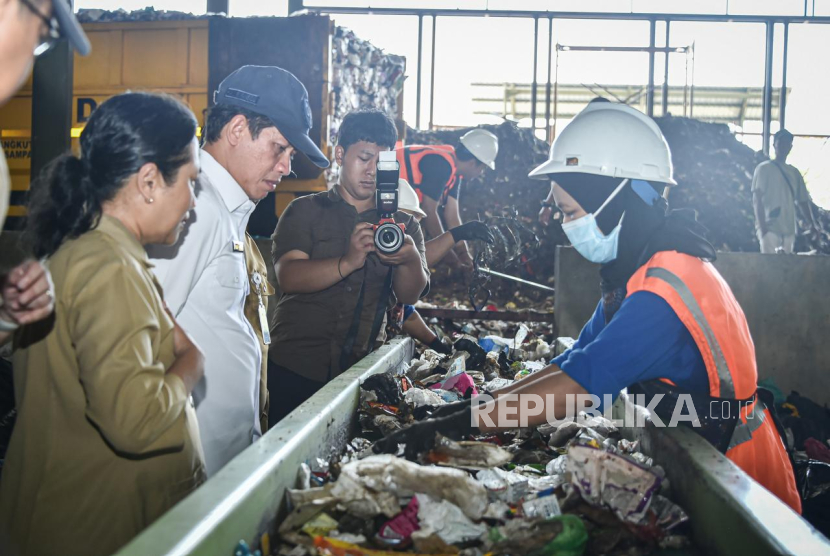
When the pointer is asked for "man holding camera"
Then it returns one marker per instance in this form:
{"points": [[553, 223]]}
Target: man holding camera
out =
{"points": [[336, 281]]}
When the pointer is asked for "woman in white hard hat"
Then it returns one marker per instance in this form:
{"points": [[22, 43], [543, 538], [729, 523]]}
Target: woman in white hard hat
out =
{"points": [[667, 325], [436, 249]]}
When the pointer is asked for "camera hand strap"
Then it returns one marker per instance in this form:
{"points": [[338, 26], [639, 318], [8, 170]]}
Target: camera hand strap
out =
{"points": [[351, 337]]}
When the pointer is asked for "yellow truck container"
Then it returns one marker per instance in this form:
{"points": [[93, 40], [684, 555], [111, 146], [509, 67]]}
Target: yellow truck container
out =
{"points": [[187, 58]]}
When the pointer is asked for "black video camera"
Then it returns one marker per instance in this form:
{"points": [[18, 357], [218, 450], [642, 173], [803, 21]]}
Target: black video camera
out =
{"points": [[389, 235]]}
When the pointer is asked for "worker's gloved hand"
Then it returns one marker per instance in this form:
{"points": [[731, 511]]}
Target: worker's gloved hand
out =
{"points": [[471, 231], [420, 437], [439, 346]]}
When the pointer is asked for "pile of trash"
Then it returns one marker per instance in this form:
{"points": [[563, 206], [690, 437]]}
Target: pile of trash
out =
{"points": [[570, 489], [807, 427], [121, 15], [505, 192], [364, 76]]}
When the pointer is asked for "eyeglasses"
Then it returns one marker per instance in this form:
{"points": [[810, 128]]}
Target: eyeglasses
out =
{"points": [[52, 34]]}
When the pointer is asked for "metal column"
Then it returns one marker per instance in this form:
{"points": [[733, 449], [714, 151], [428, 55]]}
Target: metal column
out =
{"points": [[51, 106], [767, 114], [547, 85], [535, 67], [650, 91], [782, 99], [418, 75], [666, 73], [432, 75]]}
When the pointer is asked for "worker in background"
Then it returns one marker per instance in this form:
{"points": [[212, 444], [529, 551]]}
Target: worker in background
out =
{"points": [[28, 28], [106, 439], [436, 172], [411, 322], [261, 117], [336, 287], [777, 188], [667, 322]]}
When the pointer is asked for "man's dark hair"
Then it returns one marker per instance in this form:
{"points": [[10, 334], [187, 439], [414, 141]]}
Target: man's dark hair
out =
{"points": [[372, 126], [463, 153], [782, 134], [219, 115]]}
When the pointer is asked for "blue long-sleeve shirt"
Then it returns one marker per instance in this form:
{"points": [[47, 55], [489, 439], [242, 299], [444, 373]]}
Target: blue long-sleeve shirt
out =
{"points": [[645, 340]]}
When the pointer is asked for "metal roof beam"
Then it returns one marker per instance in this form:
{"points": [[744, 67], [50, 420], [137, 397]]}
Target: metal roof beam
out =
{"points": [[645, 16]]}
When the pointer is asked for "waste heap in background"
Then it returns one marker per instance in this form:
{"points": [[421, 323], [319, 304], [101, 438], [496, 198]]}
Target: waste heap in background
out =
{"points": [[505, 192], [713, 170], [571, 489], [121, 15], [363, 76], [714, 175]]}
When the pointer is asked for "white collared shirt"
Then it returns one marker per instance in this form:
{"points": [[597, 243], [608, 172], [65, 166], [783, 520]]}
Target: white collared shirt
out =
{"points": [[205, 284]]}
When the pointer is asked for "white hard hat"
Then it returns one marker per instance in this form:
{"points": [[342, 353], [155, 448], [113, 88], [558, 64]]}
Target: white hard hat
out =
{"points": [[609, 139], [408, 199], [483, 145]]}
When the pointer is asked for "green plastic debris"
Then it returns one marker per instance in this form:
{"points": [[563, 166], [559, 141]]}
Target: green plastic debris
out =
{"points": [[570, 542]]}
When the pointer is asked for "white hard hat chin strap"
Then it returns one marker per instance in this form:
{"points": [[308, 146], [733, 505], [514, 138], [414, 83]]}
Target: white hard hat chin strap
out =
{"points": [[610, 197]]}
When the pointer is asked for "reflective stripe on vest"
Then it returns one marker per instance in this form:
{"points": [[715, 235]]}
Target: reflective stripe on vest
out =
{"points": [[743, 431], [727, 388]]}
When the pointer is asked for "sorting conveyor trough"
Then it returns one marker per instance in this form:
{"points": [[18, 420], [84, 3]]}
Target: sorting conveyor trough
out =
{"points": [[730, 513]]}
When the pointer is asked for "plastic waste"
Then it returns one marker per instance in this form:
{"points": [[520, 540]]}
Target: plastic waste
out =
{"points": [[502, 485], [418, 397], [372, 486], [468, 454], [446, 520], [398, 530], [610, 480]]}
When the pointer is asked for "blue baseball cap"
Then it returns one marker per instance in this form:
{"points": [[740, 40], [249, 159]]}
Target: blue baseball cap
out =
{"points": [[69, 28], [279, 95]]}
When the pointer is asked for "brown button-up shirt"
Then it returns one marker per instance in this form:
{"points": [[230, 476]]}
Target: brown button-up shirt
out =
{"points": [[310, 329], [106, 439]]}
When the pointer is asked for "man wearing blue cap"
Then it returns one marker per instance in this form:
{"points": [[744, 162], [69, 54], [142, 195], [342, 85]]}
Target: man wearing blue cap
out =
{"points": [[261, 117]]}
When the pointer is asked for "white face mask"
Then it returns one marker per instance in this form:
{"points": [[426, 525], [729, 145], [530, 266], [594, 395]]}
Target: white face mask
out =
{"points": [[586, 237]]}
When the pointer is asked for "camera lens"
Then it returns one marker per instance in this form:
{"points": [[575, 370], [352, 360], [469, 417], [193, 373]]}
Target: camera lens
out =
{"points": [[389, 238]]}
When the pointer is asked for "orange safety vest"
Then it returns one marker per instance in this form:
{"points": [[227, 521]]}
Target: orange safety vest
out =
{"points": [[703, 301], [409, 159]]}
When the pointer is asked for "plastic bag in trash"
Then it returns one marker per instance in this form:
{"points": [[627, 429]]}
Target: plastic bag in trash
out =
{"points": [[461, 383], [614, 481], [470, 345], [468, 454], [385, 386], [564, 535], [319, 525], [418, 397], [398, 530], [445, 520], [372, 486]]}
